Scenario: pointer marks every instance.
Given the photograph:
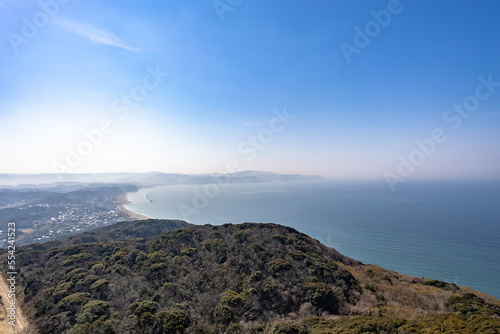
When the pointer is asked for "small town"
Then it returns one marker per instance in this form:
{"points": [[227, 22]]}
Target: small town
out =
{"points": [[47, 219]]}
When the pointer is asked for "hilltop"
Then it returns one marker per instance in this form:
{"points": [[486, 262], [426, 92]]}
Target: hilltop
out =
{"points": [[247, 278]]}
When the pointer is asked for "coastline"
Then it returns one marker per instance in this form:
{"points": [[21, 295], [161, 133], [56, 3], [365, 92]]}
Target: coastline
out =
{"points": [[122, 204]]}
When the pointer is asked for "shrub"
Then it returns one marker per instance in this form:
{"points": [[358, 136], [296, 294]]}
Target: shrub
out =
{"points": [[442, 285], [99, 285], [158, 266], [387, 279], [322, 297], [290, 327], [76, 274], [240, 236], [324, 272], [99, 268], [88, 280], [146, 319], [280, 238], [232, 298], [255, 329], [186, 251], [257, 247], [97, 327], [370, 287], [173, 320], [77, 258], [60, 294], [138, 308], [53, 253], [470, 303], [233, 328], [63, 286], [198, 330], [299, 256], [158, 256], [73, 250], [217, 244], [280, 265], [223, 314], [256, 276], [94, 310], [74, 301]]}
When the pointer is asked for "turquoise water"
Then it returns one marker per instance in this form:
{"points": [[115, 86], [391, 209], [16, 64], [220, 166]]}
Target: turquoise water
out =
{"points": [[448, 231]]}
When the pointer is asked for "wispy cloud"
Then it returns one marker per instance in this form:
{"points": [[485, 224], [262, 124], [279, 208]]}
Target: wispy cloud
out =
{"points": [[94, 35]]}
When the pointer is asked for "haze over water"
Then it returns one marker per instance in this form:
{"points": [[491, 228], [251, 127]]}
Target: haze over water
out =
{"points": [[440, 230]]}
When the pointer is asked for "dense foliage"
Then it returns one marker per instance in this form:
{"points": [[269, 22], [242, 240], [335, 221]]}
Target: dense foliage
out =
{"points": [[248, 278]]}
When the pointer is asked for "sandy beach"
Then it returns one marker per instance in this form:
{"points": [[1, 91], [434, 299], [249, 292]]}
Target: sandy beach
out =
{"points": [[122, 202]]}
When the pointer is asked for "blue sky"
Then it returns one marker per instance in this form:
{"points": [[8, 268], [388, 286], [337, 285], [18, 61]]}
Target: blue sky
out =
{"points": [[68, 66]]}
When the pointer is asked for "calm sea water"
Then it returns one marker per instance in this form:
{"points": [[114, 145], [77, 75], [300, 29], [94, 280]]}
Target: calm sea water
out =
{"points": [[448, 231]]}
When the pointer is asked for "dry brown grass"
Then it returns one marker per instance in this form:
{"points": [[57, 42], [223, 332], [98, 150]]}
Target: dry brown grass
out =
{"points": [[387, 293]]}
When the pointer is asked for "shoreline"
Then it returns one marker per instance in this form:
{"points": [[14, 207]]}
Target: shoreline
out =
{"points": [[122, 204]]}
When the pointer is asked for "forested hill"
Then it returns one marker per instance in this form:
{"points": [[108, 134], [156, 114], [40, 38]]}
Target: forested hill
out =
{"points": [[122, 231], [248, 278]]}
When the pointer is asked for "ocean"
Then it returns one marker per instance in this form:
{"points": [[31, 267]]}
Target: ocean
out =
{"points": [[444, 230]]}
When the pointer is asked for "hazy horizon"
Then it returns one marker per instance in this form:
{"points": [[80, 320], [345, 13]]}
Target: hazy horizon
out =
{"points": [[63, 177], [445, 178]]}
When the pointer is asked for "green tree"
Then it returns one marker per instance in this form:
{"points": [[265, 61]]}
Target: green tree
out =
{"points": [[94, 310]]}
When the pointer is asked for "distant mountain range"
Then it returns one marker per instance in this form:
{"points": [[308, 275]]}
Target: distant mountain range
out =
{"points": [[63, 181]]}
